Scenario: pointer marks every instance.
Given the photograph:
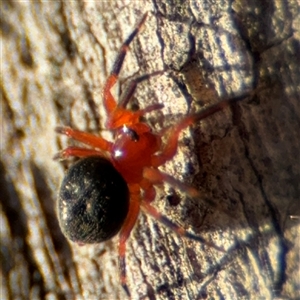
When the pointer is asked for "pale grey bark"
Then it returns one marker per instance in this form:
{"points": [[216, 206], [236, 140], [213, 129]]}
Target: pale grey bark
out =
{"points": [[55, 58]]}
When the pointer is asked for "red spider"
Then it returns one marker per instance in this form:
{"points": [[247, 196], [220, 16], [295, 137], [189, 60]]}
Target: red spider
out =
{"points": [[102, 194]]}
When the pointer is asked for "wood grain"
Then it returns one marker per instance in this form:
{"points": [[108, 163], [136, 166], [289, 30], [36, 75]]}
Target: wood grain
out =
{"points": [[55, 58]]}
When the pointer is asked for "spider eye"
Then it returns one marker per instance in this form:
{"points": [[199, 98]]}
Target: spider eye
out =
{"points": [[131, 133]]}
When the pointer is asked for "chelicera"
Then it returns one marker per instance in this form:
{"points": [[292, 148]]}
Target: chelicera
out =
{"points": [[102, 194]]}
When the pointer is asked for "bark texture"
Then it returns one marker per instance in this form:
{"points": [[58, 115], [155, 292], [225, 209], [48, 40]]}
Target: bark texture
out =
{"points": [[55, 59]]}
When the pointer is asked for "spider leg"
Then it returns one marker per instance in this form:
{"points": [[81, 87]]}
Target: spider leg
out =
{"points": [[132, 86], [134, 209], [149, 209], [149, 190], [157, 177], [150, 108], [172, 141], [76, 151], [109, 101], [85, 138]]}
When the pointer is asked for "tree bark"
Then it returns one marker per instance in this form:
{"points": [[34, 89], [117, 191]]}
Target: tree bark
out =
{"points": [[55, 59]]}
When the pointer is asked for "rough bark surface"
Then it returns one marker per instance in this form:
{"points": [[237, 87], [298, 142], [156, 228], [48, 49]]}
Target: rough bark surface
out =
{"points": [[55, 58]]}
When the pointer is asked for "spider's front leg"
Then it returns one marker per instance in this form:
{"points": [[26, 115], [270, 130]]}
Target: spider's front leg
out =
{"points": [[171, 145], [129, 92], [109, 102]]}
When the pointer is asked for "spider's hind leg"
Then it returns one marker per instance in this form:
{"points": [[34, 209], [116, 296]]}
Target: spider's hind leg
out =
{"points": [[149, 209], [133, 213]]}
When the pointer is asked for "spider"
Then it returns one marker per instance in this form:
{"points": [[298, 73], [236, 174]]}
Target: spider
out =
{"points": [[102, 193]]}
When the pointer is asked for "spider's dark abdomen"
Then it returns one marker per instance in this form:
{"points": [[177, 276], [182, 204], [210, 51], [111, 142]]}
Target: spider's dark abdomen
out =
{"points": [[93, 201]]}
